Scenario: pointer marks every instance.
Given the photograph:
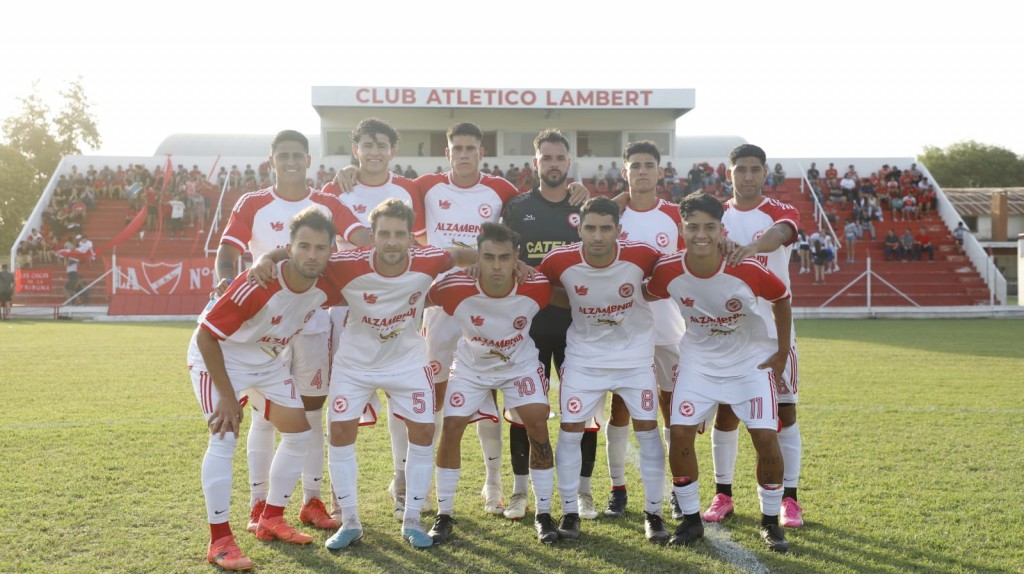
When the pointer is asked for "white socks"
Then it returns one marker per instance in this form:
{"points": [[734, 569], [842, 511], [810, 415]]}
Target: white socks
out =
{"points": [[543, 487], [399, 445], [259, 453], [618, 440], [792, 449], [490, 442], [287, 467], [419, 468], [724, 447], [688, 497], [652, 469], [313, 464], [344, 468], [771, 500], [216, 476], [568, 460], [446, 482]]}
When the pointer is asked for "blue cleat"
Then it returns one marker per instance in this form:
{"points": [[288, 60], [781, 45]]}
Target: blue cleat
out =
{"points": [[417, 538], [342, 538]]}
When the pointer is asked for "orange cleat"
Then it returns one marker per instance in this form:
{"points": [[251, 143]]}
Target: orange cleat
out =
{"points": [[315, 513], [255, 514], [277, 529], [224, 552]]}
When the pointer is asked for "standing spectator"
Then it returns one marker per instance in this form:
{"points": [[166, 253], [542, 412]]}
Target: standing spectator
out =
{"points": [[177, 216], [397, 170], [778, 177], [852, 230], [410, 173], [804, 251], [599, 176], [6, 292], [249, 177], [670, 174], [958, 233], [694, 179], [819, 256], [830, 253]]}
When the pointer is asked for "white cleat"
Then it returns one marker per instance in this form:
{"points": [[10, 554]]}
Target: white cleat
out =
{"points": [[494, 500], [517, 506]]}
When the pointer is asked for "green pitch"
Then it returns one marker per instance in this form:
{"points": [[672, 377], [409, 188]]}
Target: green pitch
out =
{"points": [[912, 462]]}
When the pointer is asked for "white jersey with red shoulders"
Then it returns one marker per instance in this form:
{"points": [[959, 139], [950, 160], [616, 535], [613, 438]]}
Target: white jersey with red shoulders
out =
{"points": [[364, 198], [612, 325], [255, 324], [382, 331], [746, 225], [260, 220], [452, 214], [495, 330], [728, 329], [659, 228]]}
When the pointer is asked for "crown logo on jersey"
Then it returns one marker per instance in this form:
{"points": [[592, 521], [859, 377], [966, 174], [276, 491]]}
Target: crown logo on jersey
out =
{"points": [[444, 204], [359, 208], [686, 301], [477, 320], [276, 320], [580, 289], [369, 298], [277, 225]]}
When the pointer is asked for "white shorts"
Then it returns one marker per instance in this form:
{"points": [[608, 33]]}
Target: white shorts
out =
{"points": [[666, 366], [752, 397], [470, 396], [584, 389], [410, 394], [442, 333], [310, 364], [258, 390], [787, 387]]}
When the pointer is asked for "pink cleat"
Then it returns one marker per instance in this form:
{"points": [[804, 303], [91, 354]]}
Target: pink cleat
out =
{"points": [[721, 506], [791, 515]]}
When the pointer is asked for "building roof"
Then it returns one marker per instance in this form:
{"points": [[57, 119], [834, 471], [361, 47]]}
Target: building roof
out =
{"points": [[978, 201]]}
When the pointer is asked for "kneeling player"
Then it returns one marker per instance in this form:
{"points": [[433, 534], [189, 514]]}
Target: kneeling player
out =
{"points": [[730, 354], [233, 359], [495, 352]]}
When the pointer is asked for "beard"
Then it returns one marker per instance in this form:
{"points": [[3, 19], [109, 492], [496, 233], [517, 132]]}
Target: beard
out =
{"points": [[552, 181]]}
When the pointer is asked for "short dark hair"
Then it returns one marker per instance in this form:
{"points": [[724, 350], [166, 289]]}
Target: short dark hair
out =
{"points": [[702, 202], [373, 127], [314, 218], [289, 136], [392, 207], [550, 136], [465, 129], [497, 233], [748, 150], [600, 206], [642, 146]]}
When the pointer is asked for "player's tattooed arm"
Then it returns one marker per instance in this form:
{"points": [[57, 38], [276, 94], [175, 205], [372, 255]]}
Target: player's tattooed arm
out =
{"points": [[227, 267]]}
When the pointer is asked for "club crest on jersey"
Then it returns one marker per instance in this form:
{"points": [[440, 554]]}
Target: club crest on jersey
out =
{"points": [[276, 319], [686, 408], [733, 305], [162, 278], [626, 290], [444, 204], [277, 225], [574, 219], [359, 208], [340, 405], [369, 298], [414, 298], [477, 320], [519, 323], [581, 289], [485, 210], [574, 405], [435, 367], [457, 400], [662, 239]]}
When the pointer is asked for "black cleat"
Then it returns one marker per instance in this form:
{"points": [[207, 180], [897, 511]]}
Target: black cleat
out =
{"points": [[616, 504], [688, 532], [569, 526], [442, 528], [677, 512], [774, 538], [547, 531], [654, 528]]}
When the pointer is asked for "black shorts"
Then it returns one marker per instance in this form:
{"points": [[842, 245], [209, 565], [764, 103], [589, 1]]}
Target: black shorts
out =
{"points": [[5, 296]]}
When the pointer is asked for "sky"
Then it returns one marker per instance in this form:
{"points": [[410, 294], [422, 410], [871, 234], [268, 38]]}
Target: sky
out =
{"points": [[801, 79]]}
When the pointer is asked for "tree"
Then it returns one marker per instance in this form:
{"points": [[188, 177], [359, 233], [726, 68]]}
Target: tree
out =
{"points": [[36, 142], [972, 164]]}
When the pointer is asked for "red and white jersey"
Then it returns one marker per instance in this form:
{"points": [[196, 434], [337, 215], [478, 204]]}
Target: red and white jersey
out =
{"points": [[612, 326], [495, 330], [728, 329], [382, 330], [255, 324], [452, 215], [364, 198], [659, 228], [260, 220], [746, 225]]}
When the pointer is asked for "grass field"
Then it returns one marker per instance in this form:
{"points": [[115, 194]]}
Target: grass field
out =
{"points": [[912, 434]]}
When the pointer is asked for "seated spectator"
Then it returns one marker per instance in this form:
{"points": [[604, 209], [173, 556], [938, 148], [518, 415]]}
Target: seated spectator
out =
{"points": [[907, 246], [922, 244], [23, 256], [830, 213], [893, 250], [866, 223], [910, 207], [778, 177], [671, 175], [928, 201], [897, 207], [848, 187], [959, 232], [812, 174], [915, 174], [599, 175], [495, 171], [410, 173], [832, 176], [694, 179]]}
